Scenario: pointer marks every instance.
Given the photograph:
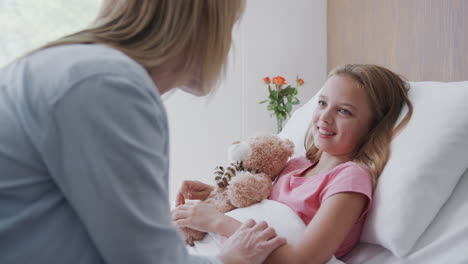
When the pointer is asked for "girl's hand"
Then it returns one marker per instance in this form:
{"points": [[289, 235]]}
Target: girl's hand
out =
{"points": [[199, 216], [251, 243], [193, 190]]}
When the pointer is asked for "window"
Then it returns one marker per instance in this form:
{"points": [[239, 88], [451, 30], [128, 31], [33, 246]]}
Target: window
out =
{"points": [[28, 24]]}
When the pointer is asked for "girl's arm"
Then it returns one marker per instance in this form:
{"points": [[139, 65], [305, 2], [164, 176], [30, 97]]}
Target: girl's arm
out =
{"points": [[325, 233], [226, 225]]}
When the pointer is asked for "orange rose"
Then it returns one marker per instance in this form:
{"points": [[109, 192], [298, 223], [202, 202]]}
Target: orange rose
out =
{"points": [[267, 80], [300, 82], [278, 80]]}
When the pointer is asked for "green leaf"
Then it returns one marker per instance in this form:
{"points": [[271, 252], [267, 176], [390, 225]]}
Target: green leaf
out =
{"points": [[274, 94], [288, 107], [262, 102], [281, 100], [287, 91], [296, 101]]}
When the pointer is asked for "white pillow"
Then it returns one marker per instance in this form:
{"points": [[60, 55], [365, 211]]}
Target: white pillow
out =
{"points": [[297, 125], [428, 158], [446, 238]]}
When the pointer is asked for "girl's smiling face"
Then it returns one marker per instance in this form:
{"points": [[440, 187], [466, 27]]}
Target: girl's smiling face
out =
{"points": [[342, 117]]}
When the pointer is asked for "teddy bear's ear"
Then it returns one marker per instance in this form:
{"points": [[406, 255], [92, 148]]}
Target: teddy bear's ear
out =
{"points": [[239, 151]]}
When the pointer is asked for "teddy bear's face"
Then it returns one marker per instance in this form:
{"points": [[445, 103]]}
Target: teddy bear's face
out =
{"points": [[268, 154]]}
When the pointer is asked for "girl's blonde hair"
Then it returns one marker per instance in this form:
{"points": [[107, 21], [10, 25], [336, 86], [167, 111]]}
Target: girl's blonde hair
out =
{"points": [[153, 32], [387, 93]]}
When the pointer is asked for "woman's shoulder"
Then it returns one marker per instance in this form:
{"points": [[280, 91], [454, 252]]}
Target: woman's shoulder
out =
{"points": [[81, 61], [56, 71]]}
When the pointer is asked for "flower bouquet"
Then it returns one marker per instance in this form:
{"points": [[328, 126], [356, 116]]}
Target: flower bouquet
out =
{"points": [[281, 98]]}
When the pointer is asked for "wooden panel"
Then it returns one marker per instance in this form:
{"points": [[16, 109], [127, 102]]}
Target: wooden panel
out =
{"points": [[420, 39]]}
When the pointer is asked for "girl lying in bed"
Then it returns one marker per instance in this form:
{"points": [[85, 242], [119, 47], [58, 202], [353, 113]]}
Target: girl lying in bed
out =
{"points": [[330, 188]]}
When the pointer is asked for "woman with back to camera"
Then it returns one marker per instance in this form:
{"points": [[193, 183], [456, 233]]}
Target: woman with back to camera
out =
{"points": [[84, 137]]}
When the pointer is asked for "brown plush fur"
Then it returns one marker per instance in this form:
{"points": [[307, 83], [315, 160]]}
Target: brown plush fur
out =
{"points": [[269, 154], [248, 188]]}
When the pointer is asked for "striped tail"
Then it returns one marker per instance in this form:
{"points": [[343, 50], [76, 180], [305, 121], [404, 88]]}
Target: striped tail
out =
{"points": [[218, 172], [231, 171]]}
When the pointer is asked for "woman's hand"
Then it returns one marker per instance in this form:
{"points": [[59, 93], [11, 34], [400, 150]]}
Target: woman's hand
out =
{"points": [[251, 243], [199, 216], [193, 190]]}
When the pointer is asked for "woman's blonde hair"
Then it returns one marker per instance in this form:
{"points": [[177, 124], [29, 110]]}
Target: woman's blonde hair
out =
{"points": [[153, 32], [388, 94]]}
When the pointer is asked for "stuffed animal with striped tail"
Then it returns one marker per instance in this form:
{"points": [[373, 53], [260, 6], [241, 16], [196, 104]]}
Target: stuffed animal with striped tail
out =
{"points": [[254, 165], [223, 176]]}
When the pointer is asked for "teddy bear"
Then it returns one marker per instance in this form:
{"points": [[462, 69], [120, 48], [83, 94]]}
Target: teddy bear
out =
{"points": [[248, 179]]}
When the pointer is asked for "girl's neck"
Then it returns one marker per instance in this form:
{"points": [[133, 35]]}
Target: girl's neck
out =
{"points": [[334, 158], [327, 162]]}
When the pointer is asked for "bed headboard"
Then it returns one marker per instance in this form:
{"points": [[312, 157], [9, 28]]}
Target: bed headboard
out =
{"points": [[423, 40]]}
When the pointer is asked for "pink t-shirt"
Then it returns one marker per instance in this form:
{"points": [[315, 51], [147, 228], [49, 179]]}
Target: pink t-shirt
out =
{"points": [[305, 194]]}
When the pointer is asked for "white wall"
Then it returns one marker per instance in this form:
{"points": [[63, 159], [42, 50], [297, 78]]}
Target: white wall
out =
{"points": [[274, 37]]}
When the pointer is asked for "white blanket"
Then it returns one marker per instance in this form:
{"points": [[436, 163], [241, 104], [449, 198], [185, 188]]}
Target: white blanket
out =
{"points": [[279, 216]]}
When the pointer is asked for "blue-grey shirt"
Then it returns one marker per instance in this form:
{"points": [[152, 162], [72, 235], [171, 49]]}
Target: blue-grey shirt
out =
{"points": [[84, 162]]}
